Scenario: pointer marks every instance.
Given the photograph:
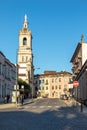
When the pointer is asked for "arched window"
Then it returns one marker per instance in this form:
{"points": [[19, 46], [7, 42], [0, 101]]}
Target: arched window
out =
{"points": [[25, 41], [22, 58]]}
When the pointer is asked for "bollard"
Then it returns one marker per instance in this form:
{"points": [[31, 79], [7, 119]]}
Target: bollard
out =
{"points": [[81, 107]]}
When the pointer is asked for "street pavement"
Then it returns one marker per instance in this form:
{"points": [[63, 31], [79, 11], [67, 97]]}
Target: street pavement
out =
{"points": [[69, 103], [76, 106], [14, 105], [42, 114]]}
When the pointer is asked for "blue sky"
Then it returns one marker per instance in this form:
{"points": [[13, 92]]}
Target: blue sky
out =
{"points": [[56, 26]]}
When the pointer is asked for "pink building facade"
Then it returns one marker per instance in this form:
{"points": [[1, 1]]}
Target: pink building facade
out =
{"points": [[53, 84]]}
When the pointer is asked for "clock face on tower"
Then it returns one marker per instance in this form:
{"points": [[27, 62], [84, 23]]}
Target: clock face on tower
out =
{"points": [[24, 41]]}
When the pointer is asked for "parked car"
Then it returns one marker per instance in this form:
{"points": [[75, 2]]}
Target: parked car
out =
{"points": [[45, 96], [64, 97]]}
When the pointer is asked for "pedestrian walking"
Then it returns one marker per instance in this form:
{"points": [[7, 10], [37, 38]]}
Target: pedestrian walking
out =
{"points": [[8, 97], [22, 99], [5, 99]]}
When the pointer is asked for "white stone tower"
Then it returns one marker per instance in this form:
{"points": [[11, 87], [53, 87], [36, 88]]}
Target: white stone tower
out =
{"points": [[25, 55]]}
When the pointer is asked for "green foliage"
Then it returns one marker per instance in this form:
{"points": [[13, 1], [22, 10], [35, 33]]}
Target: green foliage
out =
{"points": [[27, 89]]}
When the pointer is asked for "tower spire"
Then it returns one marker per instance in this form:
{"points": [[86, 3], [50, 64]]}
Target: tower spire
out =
{"points": [[25, 18], [25, 25]]}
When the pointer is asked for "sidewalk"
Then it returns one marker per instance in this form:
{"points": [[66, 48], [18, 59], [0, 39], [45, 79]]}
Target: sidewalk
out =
{"points": [[76, 106], [13, 105]]}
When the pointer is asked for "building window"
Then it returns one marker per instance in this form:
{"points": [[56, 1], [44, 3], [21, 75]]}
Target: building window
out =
{"points": [[39, 81], [22, 58], [25, 41], [46, 87], [59, 79], [52, 87], [46, 81], [52, 94], [26, 58], [59, 86]]}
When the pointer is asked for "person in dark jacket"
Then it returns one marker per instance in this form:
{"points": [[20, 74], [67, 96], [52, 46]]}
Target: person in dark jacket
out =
{"points": [[22, 99]]}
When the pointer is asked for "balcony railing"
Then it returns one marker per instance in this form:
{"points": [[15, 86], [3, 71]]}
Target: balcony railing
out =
{"points": [[79, 56], [73, 67], [79, 68], [76, 72], [76, 62]]}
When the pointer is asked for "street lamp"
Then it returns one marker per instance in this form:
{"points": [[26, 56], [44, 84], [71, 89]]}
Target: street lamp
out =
{"points": [[32, 91], [16, 79], [22, 87]]}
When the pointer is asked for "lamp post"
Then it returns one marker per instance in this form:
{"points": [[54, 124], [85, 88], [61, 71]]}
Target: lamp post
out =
{"points": [[32, 89], [16, 79]]}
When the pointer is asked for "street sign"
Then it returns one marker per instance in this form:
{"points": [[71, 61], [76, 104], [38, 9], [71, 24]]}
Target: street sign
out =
{"points": [[75, 84]]}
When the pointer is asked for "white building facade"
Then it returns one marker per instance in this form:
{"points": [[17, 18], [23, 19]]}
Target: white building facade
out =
{"points": [[79, 68], [7, 77]]}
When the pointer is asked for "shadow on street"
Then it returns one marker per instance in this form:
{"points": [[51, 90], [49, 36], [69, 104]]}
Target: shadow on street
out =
{"points": [[62, 118]]}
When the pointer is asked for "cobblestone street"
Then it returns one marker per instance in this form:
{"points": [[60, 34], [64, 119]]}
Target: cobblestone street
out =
{"points": [[52, 115]]}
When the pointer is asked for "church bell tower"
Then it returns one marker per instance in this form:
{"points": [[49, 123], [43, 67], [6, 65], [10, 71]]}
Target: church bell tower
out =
{"points": [[25, 55]]}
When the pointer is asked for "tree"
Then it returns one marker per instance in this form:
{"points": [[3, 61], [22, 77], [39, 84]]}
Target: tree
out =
{"points": [[27, 90]]}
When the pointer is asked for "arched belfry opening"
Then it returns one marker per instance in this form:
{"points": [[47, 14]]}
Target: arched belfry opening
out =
{"points": [[24, 41]]}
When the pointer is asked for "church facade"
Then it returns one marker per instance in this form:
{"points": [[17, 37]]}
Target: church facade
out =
{"points": [[25, 55]]}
